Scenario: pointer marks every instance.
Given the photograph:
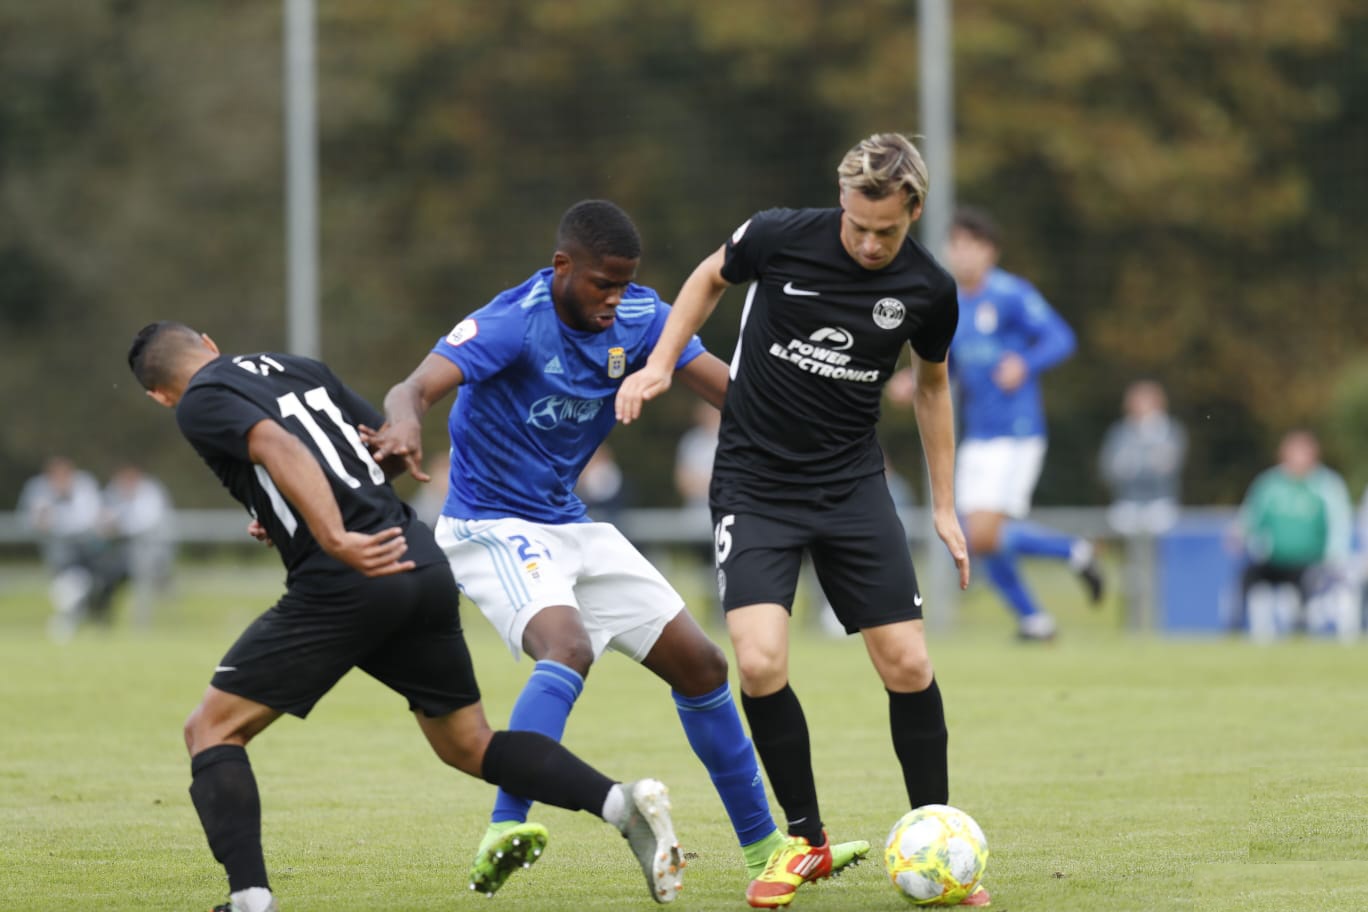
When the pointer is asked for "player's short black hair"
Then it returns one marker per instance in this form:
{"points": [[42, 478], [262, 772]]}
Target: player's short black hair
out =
{"points": [[156, 348], [601, 229], [977, 222]]}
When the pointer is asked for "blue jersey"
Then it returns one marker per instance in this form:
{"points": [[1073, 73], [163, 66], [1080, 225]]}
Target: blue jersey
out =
{"points": [[537, 399], [1005, 314]]}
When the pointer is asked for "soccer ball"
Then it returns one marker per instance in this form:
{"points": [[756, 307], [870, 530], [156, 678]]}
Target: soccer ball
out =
{"points": [[935, 855]]}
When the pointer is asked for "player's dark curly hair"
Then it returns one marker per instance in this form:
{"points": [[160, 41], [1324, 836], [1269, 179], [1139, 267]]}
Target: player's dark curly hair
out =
{"points": [[975, 221], [601, 229], [156, 348]]}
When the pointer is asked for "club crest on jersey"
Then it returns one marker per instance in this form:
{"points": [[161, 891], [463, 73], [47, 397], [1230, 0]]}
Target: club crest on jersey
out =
{"points": [[889, 313], [986, 318], [462, 332], [617, 362]]}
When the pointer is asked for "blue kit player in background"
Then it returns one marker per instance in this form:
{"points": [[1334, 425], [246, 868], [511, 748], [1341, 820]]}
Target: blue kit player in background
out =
{"points": [[538, 369], [1008, 336]]}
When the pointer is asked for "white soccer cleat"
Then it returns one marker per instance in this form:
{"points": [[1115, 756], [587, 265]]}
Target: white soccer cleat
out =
{"points": [[650, 833]]}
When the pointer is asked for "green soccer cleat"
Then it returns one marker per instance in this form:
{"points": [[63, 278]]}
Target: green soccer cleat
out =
{"points": [[506, 847], [847, 855]]}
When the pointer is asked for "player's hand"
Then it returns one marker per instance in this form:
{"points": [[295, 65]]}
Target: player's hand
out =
{"points": [[403, 440], [948, 528], [1010, 372], [639, 388], [902, 386], [373, 555], [258, 531]]}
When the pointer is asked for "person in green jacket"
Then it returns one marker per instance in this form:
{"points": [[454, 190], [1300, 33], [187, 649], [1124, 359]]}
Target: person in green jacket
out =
{"points": [[1294, 526]]}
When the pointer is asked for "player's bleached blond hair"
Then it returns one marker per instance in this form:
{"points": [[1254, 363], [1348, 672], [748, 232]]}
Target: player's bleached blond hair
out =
{"points": [[883, 164]]}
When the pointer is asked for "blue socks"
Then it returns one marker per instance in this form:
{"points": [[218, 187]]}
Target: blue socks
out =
{"points": [[1002, 572], [713, 728], [1031, 540], [543, 706]]}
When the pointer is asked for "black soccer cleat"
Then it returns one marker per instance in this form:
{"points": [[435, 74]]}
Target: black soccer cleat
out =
{"points": [[1090, 574]]}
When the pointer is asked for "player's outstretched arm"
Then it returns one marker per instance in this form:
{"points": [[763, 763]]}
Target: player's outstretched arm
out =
{"points": [[696, 301], [706, 375], [297, 473], [405, 405], [936, 423]]}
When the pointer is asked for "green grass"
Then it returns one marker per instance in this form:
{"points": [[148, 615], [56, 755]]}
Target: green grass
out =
{"points": [[1111, 771]]}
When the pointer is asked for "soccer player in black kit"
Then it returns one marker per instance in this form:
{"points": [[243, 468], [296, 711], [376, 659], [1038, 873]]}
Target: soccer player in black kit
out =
{"points": [[366, 587], [835, 294]]}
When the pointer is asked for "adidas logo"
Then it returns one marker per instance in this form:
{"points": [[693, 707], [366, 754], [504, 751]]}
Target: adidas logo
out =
{"points": [[553, 366]]}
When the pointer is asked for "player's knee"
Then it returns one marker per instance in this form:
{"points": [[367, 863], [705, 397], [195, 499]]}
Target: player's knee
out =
{"points": [[201, 734], [577, 654], [463, 747], [983, 540], [762, 671], [705, 670], [908, 672]]}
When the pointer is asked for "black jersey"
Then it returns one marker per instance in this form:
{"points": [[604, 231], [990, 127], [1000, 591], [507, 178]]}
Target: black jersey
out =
{"points": [[820, 335], [230, 395]]}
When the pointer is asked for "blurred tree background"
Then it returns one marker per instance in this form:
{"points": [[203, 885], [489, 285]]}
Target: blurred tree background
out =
{"points": [[1186, 180]]}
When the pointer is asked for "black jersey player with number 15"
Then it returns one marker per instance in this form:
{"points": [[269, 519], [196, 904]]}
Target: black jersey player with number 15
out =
{"points": [[366, 587], [834, 296]]}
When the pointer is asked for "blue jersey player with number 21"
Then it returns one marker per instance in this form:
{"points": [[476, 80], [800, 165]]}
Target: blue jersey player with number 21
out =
{"points": [[539, 367]]}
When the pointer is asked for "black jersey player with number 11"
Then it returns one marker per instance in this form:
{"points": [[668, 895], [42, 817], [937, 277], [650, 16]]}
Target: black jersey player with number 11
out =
{"points": [[366, 587]]}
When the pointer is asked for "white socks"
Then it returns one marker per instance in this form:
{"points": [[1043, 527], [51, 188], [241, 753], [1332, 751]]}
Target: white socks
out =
{"points": [[253, 899], [615, 806]]}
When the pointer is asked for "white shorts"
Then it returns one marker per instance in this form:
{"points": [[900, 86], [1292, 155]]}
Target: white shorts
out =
{"points": [[998, 475], [512, 569]]}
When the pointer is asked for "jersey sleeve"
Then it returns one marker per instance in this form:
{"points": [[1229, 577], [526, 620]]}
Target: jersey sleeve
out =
{"points": [[215, 418], [752, 244], [484, 343], [692, 350], [932, 339], [1052, 339]]}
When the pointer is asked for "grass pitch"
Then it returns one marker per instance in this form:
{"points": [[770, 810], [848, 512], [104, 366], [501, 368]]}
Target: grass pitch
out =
{"points": [[1111, 771]]}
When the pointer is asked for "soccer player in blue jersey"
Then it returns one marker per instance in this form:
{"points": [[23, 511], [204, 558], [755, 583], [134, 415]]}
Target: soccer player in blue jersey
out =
{"points": [[1008, 336], [538, 367]]}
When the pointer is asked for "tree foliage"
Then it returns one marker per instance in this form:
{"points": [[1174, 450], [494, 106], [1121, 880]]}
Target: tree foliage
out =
{"points": [[1182, 178]]}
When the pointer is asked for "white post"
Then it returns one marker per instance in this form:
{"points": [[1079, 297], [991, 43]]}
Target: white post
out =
{"points": [[937, 144], [301, 180]]}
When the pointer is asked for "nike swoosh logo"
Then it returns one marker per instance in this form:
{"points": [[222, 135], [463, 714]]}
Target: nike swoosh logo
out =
{"points": [[916, 599], [798, 292], [225, 668]]}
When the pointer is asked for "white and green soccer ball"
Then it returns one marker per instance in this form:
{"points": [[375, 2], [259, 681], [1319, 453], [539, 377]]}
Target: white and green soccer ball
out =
{"points": [[935, 855]]}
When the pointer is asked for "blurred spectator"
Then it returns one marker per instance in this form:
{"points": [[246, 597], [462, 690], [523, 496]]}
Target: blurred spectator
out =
{"points": [[1294, 527], [138, 521], [428, 499], [1142, 463], [62, 508], [602, 486], [692, 477], [694, 456]]}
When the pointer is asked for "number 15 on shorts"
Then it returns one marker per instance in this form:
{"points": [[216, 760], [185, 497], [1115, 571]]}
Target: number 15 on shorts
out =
{"points": [[722, 537]]}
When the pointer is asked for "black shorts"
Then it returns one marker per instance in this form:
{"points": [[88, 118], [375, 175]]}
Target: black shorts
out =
{"points": [[858, 547], [1278, 575], [403, 630]]}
